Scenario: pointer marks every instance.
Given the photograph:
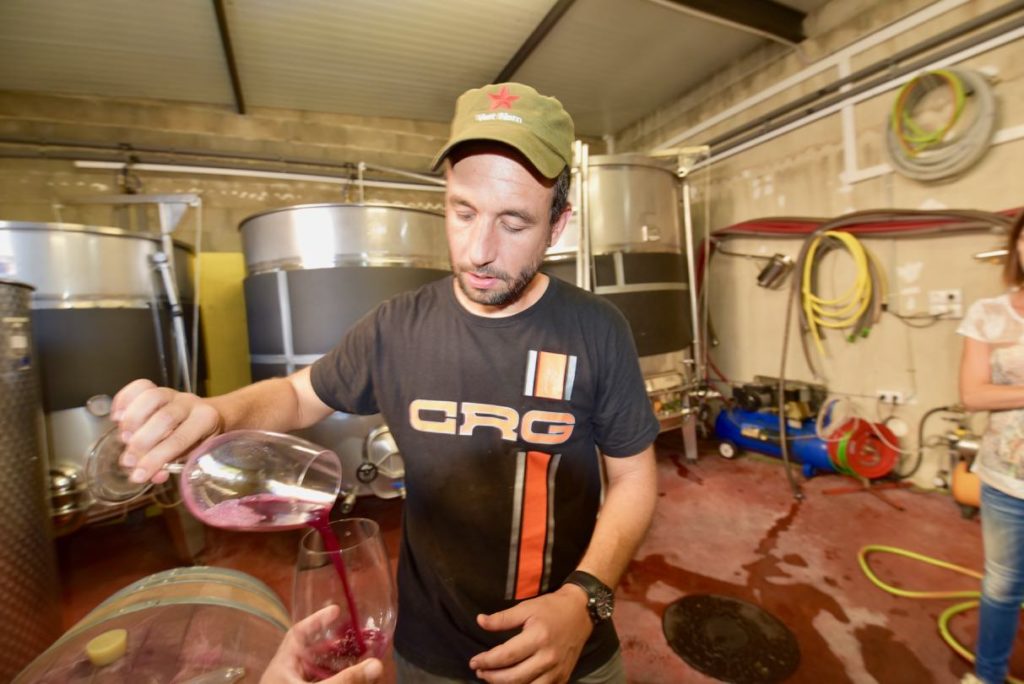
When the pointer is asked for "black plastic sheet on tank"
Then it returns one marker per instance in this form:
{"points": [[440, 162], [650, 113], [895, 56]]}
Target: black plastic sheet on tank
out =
{"points": [[730, 640]]}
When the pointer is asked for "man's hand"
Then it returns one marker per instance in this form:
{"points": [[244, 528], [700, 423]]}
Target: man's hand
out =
{"points": [[286, 667], [554, 628], [159, 424]]}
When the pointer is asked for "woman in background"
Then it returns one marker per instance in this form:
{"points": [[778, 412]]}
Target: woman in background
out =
{"points": [[992, 379]]}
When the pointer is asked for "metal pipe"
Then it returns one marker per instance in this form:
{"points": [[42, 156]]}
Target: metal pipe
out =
{"points": [[229, 54], [896, 29], [249, 173], [889, 62], [738, 139], [583, 248], [139, 162], [577, 155], [698, 344], [401, 172], [1005, 135], [991, 255], [159, 260]]}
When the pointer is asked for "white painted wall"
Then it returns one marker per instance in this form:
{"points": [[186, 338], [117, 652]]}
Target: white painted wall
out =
{"points": [[834, 165]]}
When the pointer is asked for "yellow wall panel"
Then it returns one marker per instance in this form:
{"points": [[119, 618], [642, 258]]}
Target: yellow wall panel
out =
{"points": [[222, 307]]}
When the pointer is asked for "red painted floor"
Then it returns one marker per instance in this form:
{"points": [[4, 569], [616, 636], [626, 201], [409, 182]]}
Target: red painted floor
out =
{"points": [[722, 527]]}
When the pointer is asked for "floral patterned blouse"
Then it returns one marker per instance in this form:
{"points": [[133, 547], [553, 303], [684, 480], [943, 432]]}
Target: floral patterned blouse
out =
{"points": [[1000, 461]]}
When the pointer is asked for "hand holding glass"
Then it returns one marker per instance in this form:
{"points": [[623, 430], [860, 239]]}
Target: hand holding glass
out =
{"points": [[345, 563], [242, 480]]}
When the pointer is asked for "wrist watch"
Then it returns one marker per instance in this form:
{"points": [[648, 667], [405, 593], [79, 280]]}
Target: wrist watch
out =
{"points": [[600, 598]]}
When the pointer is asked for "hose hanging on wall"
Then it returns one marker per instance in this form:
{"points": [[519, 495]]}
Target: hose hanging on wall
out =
{"points": [[858, 307], [930, 154]]}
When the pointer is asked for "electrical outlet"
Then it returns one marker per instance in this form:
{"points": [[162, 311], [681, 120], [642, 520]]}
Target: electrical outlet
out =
{"points": [[892, 397], [946, 303]]}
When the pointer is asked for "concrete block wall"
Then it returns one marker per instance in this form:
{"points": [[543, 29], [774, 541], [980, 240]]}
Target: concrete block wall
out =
{"points": [[34, 187], [805, 173]]}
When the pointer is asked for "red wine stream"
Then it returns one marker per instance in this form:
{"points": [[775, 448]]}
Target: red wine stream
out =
{"points": [[321, 523], [268, 511]]}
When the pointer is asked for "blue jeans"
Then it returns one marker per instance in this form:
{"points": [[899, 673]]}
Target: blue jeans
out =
{"points": [[1002, 589]]}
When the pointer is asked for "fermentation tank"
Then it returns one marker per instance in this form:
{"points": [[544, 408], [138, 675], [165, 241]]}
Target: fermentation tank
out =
{"points": [[101, 319], [638, 262], [312, 271], [29, 595]]}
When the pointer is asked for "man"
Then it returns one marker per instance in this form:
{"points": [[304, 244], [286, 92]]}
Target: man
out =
{"points": [[500, 385]]}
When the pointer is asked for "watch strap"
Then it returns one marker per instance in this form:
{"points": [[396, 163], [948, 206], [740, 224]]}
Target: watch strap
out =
{"points": [[600, 597]]}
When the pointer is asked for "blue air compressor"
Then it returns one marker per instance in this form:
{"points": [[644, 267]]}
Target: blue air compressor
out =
{"points": [[758, 431]]}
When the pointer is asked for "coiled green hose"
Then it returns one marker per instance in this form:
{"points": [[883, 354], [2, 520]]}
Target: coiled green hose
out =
{"points": [[947, 615]]}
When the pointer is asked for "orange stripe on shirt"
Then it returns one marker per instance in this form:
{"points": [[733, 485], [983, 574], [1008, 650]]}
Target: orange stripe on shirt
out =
{"points": [[550, 382], [534, 529]]}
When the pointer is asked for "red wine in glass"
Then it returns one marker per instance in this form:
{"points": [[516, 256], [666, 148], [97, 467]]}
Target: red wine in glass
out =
{"points": [[278, 512], [322, 524], [360, 564]]}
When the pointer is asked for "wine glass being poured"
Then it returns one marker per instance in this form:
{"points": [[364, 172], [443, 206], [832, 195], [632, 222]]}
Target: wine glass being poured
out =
{"points": [[344, 562], [240, 480], [254, 480]]}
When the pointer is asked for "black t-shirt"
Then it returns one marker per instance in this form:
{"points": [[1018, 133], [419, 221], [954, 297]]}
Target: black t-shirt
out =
{"points": [[498, 421]]}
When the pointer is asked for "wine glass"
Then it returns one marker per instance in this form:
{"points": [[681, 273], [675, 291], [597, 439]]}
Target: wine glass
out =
{"points": [[345, 563], [240, 480]]}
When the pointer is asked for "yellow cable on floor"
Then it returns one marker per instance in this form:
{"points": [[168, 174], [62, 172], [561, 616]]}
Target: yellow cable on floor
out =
{"points": [[947, 615]]}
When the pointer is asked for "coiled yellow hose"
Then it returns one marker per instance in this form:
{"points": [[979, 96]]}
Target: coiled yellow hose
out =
{"points": [[947, 615], [845, 310]]}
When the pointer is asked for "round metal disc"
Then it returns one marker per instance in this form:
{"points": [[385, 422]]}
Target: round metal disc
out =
{"points": [[731, 640]]}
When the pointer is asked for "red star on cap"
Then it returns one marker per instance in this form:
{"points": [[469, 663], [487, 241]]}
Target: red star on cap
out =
{"points": [[502, 98]]}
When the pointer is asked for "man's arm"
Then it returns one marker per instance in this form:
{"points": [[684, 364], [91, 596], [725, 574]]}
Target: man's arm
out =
{"points": [[159, 424], [556, 625], [625, 517]]}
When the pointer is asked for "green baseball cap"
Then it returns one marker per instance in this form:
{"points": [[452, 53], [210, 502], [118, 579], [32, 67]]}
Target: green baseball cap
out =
{"points": [[517, 115]]}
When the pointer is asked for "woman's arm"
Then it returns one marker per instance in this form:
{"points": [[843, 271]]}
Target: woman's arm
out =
{"points": [[977, 392]]}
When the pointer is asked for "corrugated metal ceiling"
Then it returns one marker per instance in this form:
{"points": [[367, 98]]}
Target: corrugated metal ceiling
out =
{"points": [[116, 48], [609, 61], [381, 58]]}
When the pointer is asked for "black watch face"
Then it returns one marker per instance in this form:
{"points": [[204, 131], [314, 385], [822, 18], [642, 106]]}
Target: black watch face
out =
{"points": [[601, 606]]}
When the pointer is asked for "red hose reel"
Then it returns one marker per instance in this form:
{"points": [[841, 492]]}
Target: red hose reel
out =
{"points": [[863, 449]]}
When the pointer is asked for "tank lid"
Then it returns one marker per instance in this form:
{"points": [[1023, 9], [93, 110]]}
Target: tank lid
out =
{"points": [[339, 205], [95, 230], [16, 283], [632, 160]]}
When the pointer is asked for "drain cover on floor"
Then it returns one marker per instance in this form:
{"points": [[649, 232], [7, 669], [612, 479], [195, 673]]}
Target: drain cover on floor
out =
{"points": [[731, 640]]}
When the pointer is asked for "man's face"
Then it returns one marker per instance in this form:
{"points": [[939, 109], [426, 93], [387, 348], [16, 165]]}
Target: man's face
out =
{"points": [[498, 219]]}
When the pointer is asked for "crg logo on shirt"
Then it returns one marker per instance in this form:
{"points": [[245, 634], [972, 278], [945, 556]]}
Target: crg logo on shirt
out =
{"points": [[536, 427]]}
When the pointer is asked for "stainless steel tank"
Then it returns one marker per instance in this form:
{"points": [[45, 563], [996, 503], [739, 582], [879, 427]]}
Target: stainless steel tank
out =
{"points": [[639, 263], [636, 241], [312, 271], [101, 319], [634, 208], [29, 593]]}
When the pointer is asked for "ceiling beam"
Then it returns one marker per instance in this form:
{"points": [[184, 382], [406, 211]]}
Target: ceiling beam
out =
{"points": [[763, 17], [530, 44], [229, 55]]}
